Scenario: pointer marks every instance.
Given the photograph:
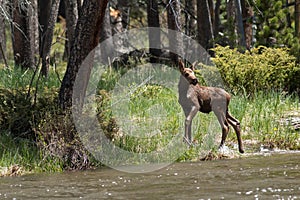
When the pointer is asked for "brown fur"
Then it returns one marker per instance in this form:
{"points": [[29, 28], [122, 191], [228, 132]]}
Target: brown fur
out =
{"points": [[193, 98]]}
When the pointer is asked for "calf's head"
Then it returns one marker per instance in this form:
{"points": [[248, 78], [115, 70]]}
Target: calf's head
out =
{"points": [[188, 73]]}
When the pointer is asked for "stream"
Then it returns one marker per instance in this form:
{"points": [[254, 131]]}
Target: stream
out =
{"points": [[267, 176]]}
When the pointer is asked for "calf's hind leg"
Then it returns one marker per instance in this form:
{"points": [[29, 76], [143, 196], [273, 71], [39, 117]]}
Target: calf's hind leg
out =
{"points": [[236, 126], [224, 125]]}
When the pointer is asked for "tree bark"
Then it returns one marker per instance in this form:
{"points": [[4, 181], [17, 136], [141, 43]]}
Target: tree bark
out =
{"points": [[154, 34], [190, 20], [297, 24], [124, 8], [25, 33], [173, 15], [241, 33], [44, 14], [117, 29], [2, 34], [205, 30], [247, 22], [47, 38], [33, 27], [297, 18], [231, 25], [87, 38], [211, 7], [107, 47], [217, 18], [71, 20]]}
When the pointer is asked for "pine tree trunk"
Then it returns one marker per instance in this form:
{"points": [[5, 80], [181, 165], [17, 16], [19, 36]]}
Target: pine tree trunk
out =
{"points": [[107, 46], [87, 38], [24, 33], [205, 30], [44, 14], [241, 33], [297, 24], [217, 18], [154, 34], [175, 44], [297, 18], [190, 20], [247, 16], [47, 38], [231, 26], [33, 29], [71, 20], [125, 10], [2, 34]]}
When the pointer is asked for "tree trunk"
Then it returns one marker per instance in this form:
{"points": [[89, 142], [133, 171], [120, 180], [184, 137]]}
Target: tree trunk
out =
{"points": [[117, 29], [125, 10], [175, 44], [230, 24], [2, 34], [87, 38], [47, 38], [79, 4], [205, 30], [190, 19], [44, 14], [154, 34], [107, 48], [71, 20], [217, 19], [297, 24], [25, 33], [211, 7], [247, 21], [33, 27], [241, 33], [297, 18]]}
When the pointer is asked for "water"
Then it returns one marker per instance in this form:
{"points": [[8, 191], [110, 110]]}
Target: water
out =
{"points": [[275, 176]]}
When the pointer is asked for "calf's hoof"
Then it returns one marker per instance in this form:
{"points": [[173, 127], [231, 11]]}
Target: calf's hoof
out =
{"points": [[241, 151]]}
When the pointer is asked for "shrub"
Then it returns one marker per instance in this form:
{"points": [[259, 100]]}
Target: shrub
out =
{"points": [[261, 69]]}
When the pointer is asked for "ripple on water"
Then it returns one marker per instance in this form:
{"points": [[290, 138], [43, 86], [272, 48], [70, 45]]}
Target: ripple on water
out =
{"points": [[259, 177]]}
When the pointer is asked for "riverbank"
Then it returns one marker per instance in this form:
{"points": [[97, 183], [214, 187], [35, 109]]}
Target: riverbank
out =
{"points": [[38, 136], [265, 121]]}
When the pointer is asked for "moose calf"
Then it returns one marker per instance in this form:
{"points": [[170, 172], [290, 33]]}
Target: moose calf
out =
{"points": [[193, 98]]}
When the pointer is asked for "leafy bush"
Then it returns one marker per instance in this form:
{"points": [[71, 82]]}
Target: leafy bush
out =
{"points": [[261, 69]]}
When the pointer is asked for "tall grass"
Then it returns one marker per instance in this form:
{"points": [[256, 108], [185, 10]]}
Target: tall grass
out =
{"points": [[265, 118], [24, 155], [151, 119], [23, 101], [157, 118]]}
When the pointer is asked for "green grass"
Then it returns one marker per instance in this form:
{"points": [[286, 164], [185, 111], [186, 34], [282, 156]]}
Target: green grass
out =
{"points": [[22, 103], [24, 155], [152, 117], [152, 109], [264, 118]]}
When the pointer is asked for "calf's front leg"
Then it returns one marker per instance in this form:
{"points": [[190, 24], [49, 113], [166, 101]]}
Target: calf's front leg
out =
{"points": [[189, 114]]}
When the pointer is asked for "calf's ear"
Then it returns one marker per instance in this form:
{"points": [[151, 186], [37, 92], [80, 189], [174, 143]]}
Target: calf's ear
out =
{"points": [[193, 66], [180, 65]]}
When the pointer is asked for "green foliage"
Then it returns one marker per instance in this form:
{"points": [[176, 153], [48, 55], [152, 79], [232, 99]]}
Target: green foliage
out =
{"points": [[261, 69], [264, 119], [143, 103], [273, 27], [34, 128], [37, 135], [18, 156]]}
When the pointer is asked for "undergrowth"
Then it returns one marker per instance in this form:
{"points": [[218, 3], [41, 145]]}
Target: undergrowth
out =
{"points": [[38, 136]]}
